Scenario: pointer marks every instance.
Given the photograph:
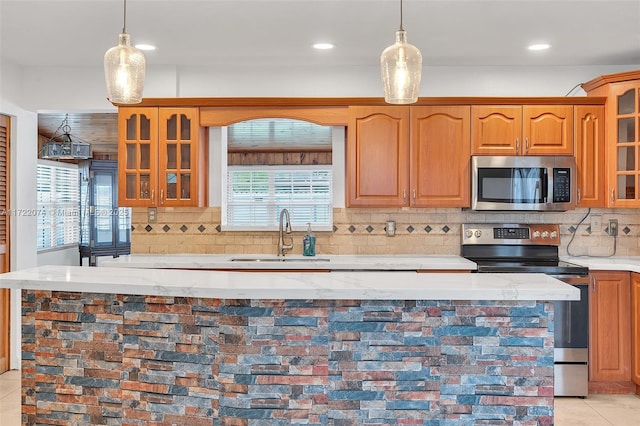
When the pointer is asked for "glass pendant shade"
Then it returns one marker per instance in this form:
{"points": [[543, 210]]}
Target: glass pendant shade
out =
{"points": [[401, 66], [124, 69]]}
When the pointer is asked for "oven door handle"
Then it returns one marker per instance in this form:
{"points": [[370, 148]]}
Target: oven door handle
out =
{"points": [[566, 323]]}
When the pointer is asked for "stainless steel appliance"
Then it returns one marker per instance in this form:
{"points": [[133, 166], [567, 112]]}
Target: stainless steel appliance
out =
{"points": [[538, 183], [522, 248]]}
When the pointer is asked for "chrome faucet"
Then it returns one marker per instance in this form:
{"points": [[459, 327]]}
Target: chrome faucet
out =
{"points": [[282, 247]]}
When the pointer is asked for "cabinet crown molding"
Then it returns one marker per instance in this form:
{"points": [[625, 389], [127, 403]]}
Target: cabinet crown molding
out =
{"points": [[610, 78], [285, 102]]}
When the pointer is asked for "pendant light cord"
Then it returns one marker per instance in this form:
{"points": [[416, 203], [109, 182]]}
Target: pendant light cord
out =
{"points": [[401, 29], [124, 23]]}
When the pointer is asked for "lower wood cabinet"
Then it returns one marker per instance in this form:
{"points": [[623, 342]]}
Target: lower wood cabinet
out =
{"points": [[635, 330], [610, 327]]}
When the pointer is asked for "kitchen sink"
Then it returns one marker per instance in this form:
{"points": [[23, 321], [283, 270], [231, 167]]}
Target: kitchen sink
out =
{"points": [[278, 259]]}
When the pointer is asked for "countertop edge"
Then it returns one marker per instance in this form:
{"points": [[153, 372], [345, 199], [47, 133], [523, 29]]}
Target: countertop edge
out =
{"points": [[292, 285]]}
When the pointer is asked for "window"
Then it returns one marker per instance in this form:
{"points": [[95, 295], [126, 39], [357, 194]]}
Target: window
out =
{"points": [[256, 195], [58, 205], [270, 164]]}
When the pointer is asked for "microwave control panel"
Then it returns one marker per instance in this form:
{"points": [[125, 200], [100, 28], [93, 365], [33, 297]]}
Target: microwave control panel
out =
{"points": [[561, 185]]}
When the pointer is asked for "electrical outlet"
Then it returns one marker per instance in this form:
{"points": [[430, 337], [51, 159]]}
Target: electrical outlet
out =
{"points": [[613, 227], [152, 214], [596, 224]]}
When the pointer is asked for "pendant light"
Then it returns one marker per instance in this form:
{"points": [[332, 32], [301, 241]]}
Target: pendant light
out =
{"points": [[401, 66], [124, 68]]}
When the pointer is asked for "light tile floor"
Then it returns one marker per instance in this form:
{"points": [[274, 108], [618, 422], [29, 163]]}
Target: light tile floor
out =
{"points": [[596, 410]]}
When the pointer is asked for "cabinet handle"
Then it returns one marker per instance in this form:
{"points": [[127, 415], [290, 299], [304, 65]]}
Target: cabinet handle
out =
{"points": [[578, 195], [404, 196], [613, 196], [162, 197], [517, 145], [593, 284], [153, 197], [414, 196], [526, 140]]}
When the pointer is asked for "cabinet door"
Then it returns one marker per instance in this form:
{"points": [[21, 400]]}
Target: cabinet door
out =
{"points": [[624, 144], [610, 327], [440, 152], [589, 146], [378, 156], [496, 130], [178, 157], [137, 156], [548, 130], [635, 328]]}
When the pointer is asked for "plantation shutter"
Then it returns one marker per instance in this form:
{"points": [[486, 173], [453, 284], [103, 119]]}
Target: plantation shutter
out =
{"points": [[58, 201], [4, 190], [256, 195]]}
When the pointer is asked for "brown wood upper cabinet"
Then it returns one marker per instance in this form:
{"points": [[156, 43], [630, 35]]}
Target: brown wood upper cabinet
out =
{"points": [[589, 134], [400, 156], [522, 130], [161, 157], [622, 91]]}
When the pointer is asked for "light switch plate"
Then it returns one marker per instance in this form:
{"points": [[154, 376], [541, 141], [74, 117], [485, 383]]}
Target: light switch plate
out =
{"points": [[596, 224]]}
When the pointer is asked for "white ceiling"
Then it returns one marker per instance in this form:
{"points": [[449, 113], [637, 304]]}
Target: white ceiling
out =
{"points": [[194, 33]]}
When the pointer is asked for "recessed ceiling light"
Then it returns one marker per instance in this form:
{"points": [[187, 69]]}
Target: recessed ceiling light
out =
{"points": [[324, 46], [539, 46], [147, 47]]}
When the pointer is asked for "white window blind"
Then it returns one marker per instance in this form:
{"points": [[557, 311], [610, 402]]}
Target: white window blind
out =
{"points": [[58, 206], [256, 195], [269, 132]]}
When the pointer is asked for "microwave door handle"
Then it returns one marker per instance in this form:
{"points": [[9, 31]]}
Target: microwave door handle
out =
{"points": [[545, 185]]}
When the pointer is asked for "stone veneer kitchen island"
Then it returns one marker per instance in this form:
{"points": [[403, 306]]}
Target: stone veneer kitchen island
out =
{"points": [[119, 346]]}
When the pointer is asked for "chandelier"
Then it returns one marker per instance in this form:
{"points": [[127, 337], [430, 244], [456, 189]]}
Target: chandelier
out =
{"points": [[60, 146]]}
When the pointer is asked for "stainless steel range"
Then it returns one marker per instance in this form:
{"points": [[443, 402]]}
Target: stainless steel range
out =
{"points": [[520, 248]]}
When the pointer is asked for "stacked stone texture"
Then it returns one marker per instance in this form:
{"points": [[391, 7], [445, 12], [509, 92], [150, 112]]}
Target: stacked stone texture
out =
{"points": [[100, 359]]}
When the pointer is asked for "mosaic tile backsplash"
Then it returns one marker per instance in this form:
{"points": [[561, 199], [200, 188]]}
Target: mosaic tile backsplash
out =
{"points": [[362, 231]]}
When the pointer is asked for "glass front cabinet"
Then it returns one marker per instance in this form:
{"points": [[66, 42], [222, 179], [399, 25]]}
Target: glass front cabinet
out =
{"points": [[161, 157], [622, 117], [105, 228], [625, 153]]}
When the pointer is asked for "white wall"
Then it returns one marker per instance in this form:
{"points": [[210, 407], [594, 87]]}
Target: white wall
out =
{"points": [[22, 196], [56, 89], [365, 81]]}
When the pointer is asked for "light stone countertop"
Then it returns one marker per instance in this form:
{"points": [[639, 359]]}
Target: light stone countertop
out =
{"points": [[614, 263], [380, 285], [273, 262]]}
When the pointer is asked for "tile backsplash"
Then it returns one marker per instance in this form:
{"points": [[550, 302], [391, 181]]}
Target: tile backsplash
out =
{"points": [[362, 231]]}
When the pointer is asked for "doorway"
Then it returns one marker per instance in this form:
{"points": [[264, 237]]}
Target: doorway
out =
{"points": [[5, 299]]}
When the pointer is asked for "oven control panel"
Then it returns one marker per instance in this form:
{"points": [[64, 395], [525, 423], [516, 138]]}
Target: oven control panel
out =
{"points": [[520, 234]]}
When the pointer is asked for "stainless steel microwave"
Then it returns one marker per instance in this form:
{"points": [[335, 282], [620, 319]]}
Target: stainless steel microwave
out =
{"points": [[523, 183]]}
